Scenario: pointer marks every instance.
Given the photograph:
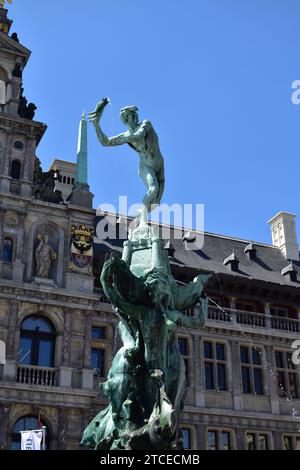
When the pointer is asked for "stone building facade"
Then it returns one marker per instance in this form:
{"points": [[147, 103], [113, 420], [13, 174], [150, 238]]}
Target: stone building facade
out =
{"points": [[59, 331]]}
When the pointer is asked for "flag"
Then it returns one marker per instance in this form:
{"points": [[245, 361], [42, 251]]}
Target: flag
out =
{"points": [[31, 440]]}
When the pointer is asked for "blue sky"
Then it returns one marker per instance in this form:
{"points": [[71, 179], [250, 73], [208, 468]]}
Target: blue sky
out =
{"points": [[213, 76]]}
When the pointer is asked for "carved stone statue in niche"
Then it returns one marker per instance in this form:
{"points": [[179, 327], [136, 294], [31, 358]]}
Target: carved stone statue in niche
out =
{"points": [[44, 256]]}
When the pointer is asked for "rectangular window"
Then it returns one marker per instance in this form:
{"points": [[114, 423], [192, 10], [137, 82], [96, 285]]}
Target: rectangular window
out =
{"points": [[263, 441], [287, 443], [218, 439], [278, 312], [208, 352], [246, 380], [221, 376], [287, 384], [212, 440], [257, 441], [245, 307], [258, 386], [186, 436], [251, 370], [209, 376], [215, 366], [244, 355], [225, 440], [220, 352], [98, 362], [279, 359], [251, 441], [293, 385], [183, 346], [98, 332], [281, 384]]}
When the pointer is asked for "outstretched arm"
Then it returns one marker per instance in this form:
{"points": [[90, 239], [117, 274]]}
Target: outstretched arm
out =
{"points": [[94, 117], [124, 138]]}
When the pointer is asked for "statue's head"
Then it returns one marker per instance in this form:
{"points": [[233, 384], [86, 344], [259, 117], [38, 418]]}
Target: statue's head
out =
{"points": [[129, 116]]}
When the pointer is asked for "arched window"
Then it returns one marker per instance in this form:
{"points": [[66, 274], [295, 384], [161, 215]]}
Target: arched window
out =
{"points": [[68, 180], [64, 179], [27, 423], [15, 171], [37, 342], [7, 252]]}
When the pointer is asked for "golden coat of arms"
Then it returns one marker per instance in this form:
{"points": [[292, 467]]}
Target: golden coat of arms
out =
{"points": [[81, 249]]}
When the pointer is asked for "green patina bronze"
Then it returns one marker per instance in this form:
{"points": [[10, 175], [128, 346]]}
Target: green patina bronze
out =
{"points": [[146, 384]]}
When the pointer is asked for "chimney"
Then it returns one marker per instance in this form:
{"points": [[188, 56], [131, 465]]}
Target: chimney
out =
{"points": [[283, 227]]}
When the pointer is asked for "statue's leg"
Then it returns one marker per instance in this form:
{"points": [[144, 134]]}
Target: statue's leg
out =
{"points": [[149, 178]]}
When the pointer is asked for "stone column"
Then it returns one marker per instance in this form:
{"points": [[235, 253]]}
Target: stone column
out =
{"points": [[65, 371], [240, 439], [87, 380], [87, 340], [4, 420], [18, 266], [271, 381], [268, 315], [11, 346], [62, 428], [5, 180], [2, 215], [9, 369], [277, 441], [8, 153], [236, 376], [201, 436], [199, 378], [233, 308], [28, 171]]}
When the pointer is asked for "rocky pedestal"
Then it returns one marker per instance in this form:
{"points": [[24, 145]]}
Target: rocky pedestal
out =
{"points": [[146, 384]]}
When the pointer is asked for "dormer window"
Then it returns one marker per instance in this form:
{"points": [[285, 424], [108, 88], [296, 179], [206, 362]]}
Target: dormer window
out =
{"points": [[250, 251], [290, 272], [232, 262]]}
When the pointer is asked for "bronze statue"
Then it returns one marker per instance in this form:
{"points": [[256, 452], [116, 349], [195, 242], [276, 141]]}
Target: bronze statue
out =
{"points": [[142, 137]]}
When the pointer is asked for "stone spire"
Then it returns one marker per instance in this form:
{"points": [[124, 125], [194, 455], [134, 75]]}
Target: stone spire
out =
{"points": [[81, 195], [81, 171]]}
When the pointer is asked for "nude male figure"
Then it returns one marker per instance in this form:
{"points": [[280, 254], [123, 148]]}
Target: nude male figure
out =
{"points": [[142, 137]]}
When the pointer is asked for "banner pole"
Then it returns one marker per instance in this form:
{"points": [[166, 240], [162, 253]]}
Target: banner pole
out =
{"points": [[44, 438]]}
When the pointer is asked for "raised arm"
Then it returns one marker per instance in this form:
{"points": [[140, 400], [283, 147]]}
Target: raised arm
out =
{"points": [[94, 117]]}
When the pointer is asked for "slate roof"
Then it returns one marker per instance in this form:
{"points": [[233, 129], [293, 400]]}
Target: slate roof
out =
{"points": [[267, 264]]}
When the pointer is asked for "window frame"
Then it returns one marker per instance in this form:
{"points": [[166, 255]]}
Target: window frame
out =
{"points": [[213, 362], [257, 434], [100, 344], [251, 367], [186, 357], [287, 372], [16, 160], [8, 237], [37, 336], [219, 432]]}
